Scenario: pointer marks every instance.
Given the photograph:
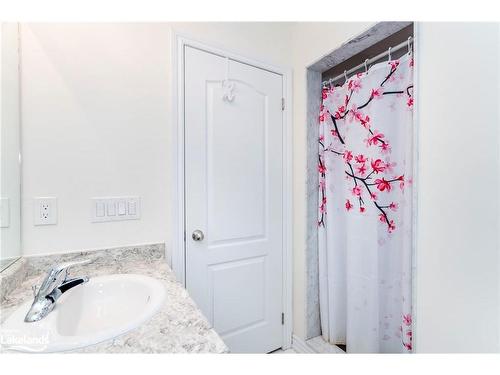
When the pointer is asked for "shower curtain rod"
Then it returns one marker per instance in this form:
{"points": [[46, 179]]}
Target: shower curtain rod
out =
{"points": [[408, 43]]}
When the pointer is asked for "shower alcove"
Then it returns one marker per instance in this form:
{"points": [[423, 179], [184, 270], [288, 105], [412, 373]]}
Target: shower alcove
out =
{"points": [[353, 52]]}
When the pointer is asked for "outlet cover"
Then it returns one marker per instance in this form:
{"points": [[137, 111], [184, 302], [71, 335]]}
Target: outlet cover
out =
{"points": [[45, 211]]}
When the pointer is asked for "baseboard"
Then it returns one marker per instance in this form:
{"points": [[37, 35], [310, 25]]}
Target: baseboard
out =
{"points": [[300, 346]]}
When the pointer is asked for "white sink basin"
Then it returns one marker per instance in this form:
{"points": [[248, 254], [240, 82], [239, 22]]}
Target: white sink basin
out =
{"points": [[103, 308]]}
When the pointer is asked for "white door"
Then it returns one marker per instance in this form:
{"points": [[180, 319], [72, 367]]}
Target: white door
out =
{"points": [[233, 195]]}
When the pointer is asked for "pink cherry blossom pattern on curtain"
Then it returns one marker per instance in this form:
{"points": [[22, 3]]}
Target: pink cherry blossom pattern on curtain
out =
{"points": [[364, 208], [358, 169]]}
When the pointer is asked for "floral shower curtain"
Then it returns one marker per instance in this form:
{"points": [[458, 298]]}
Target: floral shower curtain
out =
{"points": [[365, 203]]}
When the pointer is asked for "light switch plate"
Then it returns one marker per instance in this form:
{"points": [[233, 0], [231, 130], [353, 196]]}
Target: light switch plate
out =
{"points": [[45, 211], [115, 209]]}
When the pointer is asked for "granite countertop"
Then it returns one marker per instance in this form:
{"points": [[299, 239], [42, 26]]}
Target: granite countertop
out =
{"points": [[179, 327]]}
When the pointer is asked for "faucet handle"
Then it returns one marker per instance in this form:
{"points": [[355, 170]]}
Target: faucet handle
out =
{"points": [[57, 275]]}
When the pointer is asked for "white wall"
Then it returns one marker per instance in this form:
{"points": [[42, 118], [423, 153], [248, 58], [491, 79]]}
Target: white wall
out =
{"points": [[96, 122], [10, 172], [457, 302]]}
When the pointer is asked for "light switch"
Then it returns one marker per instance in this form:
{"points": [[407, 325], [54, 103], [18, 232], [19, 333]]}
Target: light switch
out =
{"points": [[111, 208], [122, 208], [132, 208], [100, 209]]}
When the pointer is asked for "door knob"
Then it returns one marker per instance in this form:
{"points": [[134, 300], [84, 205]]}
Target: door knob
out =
{"points": [[198, 235]]}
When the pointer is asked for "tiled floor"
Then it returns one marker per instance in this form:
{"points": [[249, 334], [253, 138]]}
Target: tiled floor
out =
{"points": [[317, 344], [321, 346]]}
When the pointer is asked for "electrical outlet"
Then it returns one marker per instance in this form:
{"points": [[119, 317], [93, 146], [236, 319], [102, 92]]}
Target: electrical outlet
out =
{"points": [[45, 211]]}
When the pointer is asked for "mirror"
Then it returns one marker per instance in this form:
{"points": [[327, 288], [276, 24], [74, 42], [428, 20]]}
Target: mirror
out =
{"points": [[10, 147]]}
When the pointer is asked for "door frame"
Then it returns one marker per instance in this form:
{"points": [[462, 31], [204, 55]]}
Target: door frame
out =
{"points": [[178, 237]]}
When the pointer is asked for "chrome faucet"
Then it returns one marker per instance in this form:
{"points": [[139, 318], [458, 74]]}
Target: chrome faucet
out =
{"points": [[53, 286]]}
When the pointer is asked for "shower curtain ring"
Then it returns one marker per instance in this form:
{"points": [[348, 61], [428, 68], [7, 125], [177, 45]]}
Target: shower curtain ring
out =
{"points": [[409, 45], [366, 66], [345, 75], [389, 53]]}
